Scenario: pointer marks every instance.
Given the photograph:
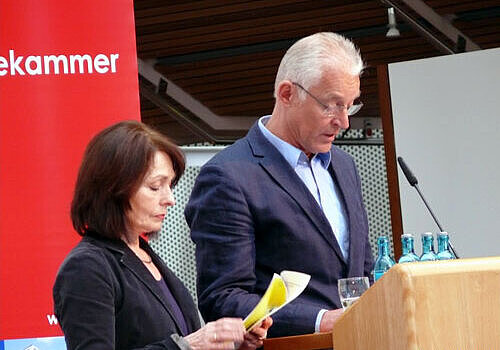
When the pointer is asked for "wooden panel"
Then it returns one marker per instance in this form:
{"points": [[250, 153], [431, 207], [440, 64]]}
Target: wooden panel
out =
{"points": [[300, 342], [208, 9], [450, 304], [240, 80], [255, 28], [390, 159], [460, 6]]}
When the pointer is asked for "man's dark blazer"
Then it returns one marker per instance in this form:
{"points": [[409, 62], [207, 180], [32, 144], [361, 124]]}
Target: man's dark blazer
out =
{"points": [[105, 298], [251, 216]]}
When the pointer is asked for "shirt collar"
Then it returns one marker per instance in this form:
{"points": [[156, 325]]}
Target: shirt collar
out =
{"points": [[291, 153]]}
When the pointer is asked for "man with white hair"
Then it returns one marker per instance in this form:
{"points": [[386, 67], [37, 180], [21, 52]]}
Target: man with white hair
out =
{"points": [[285, 198]]}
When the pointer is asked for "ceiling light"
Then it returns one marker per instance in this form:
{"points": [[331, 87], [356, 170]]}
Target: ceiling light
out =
{"points": [[393, 31]]}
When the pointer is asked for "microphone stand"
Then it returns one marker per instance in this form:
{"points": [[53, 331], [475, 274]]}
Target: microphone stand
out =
{"points": [[435, 219]]}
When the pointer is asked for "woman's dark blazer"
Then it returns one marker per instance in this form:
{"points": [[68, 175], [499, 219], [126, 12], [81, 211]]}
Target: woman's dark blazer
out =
{"points": [[105, 298]]}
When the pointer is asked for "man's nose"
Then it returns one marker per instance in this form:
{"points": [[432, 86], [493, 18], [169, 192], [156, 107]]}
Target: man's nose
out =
{"points": [[342, 119]]}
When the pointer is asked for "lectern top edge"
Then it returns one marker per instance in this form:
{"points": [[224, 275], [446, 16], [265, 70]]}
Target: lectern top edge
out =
{"points": [[448, 266]]}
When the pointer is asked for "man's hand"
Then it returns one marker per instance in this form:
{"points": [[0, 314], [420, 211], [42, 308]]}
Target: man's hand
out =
{"points": [[254, 338], [328, 319]]}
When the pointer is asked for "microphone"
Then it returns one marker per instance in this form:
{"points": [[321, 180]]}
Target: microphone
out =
{"points": [[409, 175], [412, 180]]}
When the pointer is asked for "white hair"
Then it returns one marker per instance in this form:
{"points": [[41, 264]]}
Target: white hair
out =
{"points": [[307, 59]]}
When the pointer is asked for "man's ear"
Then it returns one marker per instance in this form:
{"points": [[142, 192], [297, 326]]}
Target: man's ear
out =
{"points": [[285, 92]]}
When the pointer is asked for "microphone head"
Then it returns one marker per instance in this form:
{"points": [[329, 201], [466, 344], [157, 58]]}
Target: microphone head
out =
{"points": [[409, 175]]}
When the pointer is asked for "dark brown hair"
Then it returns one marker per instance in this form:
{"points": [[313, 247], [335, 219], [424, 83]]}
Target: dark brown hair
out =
{"points": [[113, 167]]}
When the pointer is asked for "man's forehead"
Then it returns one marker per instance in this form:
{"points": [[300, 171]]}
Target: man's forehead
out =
{"points": [[341, 88], [338, 77]]}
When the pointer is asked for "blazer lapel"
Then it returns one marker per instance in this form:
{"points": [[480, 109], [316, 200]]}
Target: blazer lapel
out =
{"points": [[343, 179], [134, 264], [278, 168]]}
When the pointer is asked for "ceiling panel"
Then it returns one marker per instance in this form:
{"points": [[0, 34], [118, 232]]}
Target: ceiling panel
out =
{"points": [[225, 54]]}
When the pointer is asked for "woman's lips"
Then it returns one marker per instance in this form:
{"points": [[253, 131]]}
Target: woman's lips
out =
{"points": [[160, 216]]}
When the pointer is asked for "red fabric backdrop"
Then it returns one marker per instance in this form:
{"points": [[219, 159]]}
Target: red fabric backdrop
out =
{"points": [[46, 120]]}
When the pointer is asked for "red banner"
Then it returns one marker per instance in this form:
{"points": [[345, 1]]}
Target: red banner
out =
{"points": [[67, 69]]}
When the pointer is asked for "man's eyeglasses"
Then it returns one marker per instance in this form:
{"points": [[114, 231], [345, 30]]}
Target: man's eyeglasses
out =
{"points": [[332, 111]]}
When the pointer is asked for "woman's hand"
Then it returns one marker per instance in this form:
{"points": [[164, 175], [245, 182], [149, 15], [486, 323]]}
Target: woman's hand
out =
{"points": [[254, 338], [219, 335]]}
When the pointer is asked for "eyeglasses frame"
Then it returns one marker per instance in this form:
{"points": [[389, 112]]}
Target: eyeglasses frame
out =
{"points": [[331, 111]]}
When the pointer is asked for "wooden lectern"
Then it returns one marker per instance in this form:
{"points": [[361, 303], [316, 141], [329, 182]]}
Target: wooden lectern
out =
{"points": [[441, 305]]}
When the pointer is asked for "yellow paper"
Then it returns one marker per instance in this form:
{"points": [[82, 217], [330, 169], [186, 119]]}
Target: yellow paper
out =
{"points": [[282, 289]]}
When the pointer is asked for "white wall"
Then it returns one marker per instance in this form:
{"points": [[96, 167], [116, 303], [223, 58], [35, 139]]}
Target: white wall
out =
{"points": [[446, 115], [199, 155]]}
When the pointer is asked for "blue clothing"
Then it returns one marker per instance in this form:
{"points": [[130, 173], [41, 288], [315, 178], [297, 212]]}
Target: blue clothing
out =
{"points": [[251, 216], [314, 173], [176, 310]]}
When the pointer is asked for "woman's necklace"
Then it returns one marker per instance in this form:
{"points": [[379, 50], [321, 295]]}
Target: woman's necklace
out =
{"points": [[147, 260]]}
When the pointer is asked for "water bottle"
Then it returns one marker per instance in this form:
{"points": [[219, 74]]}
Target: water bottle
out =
{"points": [[384, 261], [428, 247], [444, 252], [408, 250]]}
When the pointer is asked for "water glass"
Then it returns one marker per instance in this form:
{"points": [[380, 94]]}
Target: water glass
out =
{"points": [[351, 288]]}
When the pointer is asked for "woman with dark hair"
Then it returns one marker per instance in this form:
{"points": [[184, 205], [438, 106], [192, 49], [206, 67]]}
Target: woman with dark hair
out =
{"points": [[112, 291]]}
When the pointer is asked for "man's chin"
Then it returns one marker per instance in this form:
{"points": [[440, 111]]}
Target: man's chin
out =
{"points": [[325, 148]]}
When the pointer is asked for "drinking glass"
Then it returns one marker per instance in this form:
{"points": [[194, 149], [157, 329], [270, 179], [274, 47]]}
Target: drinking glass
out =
{"points": [[350, 289]]}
